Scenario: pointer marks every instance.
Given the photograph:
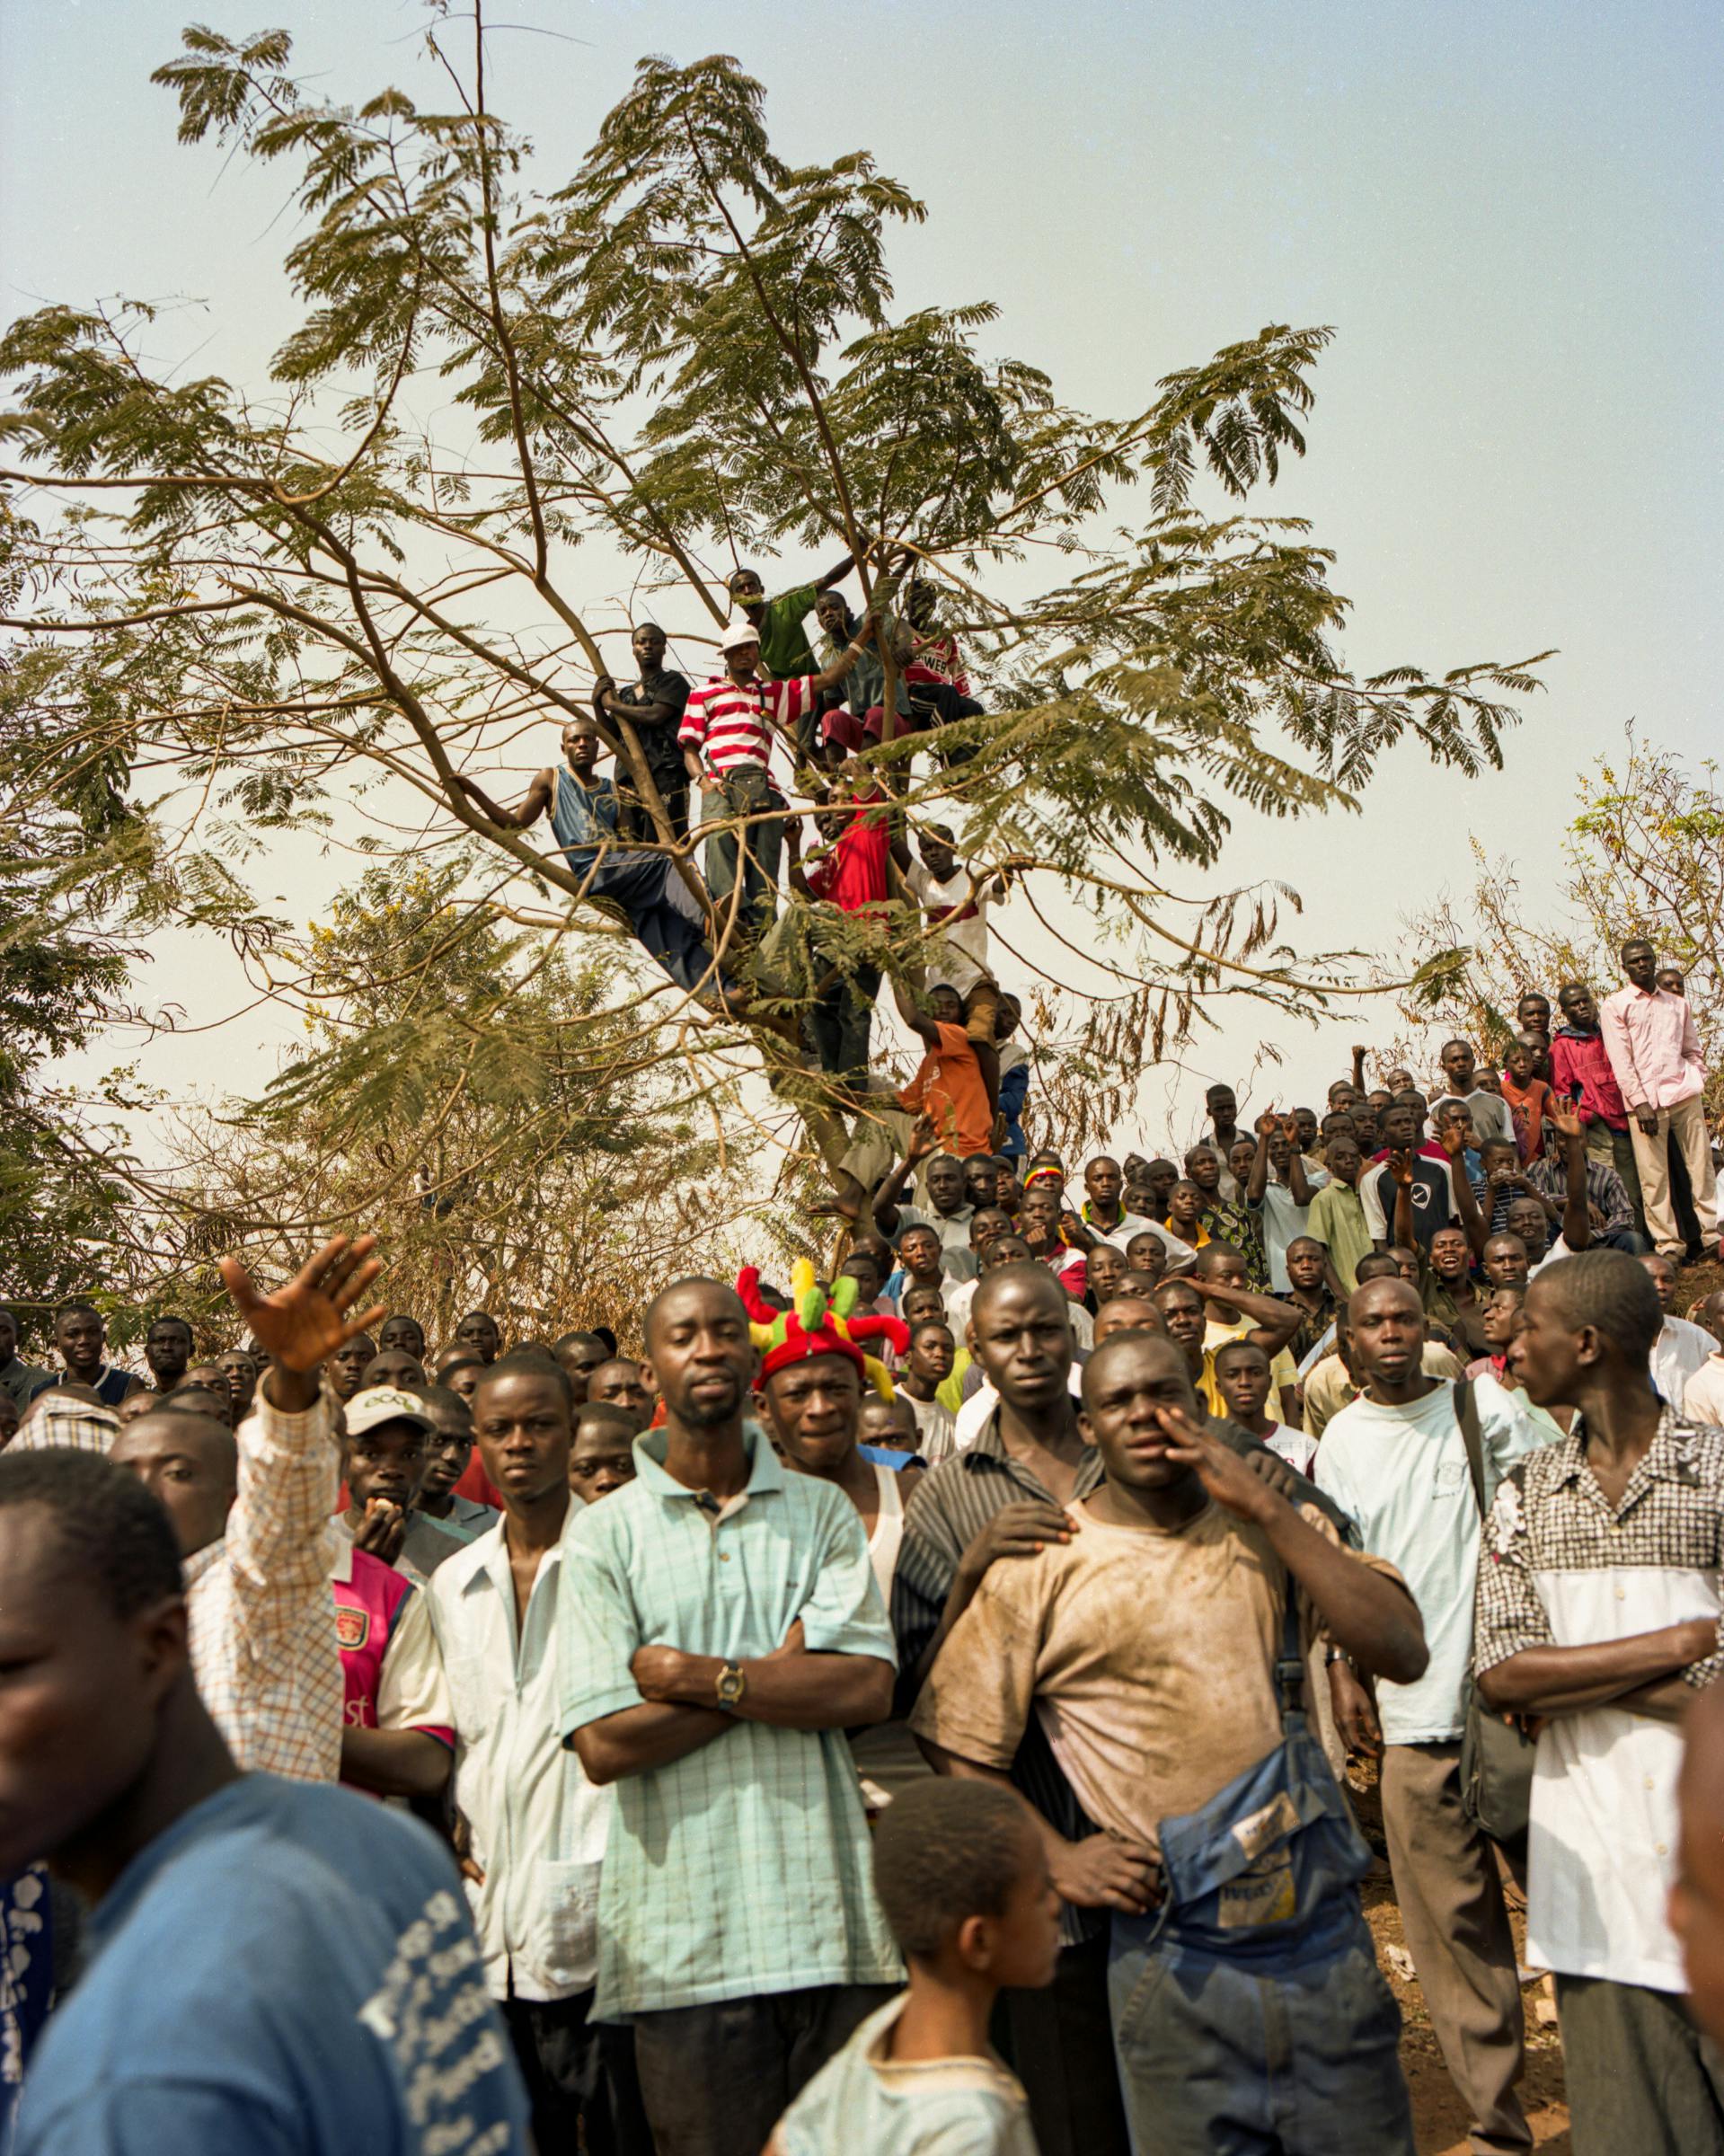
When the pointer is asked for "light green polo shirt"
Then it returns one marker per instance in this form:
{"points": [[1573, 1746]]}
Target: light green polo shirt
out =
{"points": [[744, 1868]]}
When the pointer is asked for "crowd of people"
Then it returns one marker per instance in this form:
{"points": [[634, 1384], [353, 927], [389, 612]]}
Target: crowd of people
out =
{"points": [[909, 1707]]}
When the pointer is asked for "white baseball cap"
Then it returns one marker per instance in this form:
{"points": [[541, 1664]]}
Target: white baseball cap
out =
{"points": [[385, 1403], [738, 634]]}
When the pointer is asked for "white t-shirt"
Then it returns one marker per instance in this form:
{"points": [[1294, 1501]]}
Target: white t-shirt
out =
{"points": [[1703, 1397], [1282, 1221], [1680, 1352], [1492, 1117], [961, 920], [1403, 1474]]}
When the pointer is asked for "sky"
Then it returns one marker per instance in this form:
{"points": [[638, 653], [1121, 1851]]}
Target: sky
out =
{"points": [[1511, 217]]}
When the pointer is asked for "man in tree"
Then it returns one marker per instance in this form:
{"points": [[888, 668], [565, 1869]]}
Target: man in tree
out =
{"points": [[781, 640], [284, 2023], [1581, 1075], [18, 1381], [1397, 1461], [956, 1085], [955, 901], [663, 913], [860, 829], [1172, 1751], [718, 1712], [1597, 1614], [80, 1336], [1654, 1051], [1491, 1116], [167, 1350], [996, 1503], [538, 1825], [727, 735], [653, 705]]}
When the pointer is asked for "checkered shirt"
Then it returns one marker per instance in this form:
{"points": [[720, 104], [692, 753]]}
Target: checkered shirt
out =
{"points": [[1551, 1517], [262, 1614], [745, 1867], [70, 1425]]}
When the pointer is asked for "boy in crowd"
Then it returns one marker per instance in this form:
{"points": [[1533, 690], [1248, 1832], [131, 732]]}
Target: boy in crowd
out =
{"points": [[601, 1455], [932, 1351], [962, 1875], [1336, 1217]]}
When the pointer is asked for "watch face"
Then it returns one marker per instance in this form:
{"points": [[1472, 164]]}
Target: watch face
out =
{"points": [[729, 1686]]}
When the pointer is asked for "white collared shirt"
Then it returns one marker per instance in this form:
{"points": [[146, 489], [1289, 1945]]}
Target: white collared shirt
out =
{"points": [[539, 1827]]}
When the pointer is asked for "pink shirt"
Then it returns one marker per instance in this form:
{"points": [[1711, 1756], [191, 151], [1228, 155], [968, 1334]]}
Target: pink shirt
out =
{"points": [[1653, 1048]]}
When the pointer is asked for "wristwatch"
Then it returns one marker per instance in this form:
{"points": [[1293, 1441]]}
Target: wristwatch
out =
{"points": [[729, 1686]]}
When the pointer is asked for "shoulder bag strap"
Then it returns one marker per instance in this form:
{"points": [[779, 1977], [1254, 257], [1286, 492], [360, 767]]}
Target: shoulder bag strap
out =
{"points": [[1466, 1413]]}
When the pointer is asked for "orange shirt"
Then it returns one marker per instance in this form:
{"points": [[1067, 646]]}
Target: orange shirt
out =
{"points": [[949, 1089]]}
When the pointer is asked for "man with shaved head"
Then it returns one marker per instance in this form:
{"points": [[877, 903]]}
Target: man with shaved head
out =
{"points": [[989, 1507], [1400, 1460], [719, 1630], [1598, 1614], [1153, 1630]]}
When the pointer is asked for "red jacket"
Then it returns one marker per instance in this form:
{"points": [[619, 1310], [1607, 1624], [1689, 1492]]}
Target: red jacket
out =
{"points": [[1579, 1059]]}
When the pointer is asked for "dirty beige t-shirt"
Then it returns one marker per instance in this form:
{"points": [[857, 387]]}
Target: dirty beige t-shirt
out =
{"points": [[1148, 1653]]}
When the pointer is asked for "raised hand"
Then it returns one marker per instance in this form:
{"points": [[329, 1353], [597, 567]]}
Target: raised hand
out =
{"points": [[1266, 1124], [302, 1324], [1567, 1122], [1401, 1167]]}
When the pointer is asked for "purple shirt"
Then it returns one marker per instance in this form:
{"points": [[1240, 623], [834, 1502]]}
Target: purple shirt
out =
{"points": [[1653, 1048]]}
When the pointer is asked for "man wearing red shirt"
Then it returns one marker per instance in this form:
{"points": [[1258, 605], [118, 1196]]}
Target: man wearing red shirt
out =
{"points": [[849, 871]]}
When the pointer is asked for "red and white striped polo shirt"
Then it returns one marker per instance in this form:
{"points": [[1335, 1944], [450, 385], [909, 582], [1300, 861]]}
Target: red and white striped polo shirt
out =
{"points": [[731, 725]]}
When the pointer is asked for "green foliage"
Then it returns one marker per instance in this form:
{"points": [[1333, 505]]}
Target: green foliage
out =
{"points": [[1644, 858], [284, 599]]}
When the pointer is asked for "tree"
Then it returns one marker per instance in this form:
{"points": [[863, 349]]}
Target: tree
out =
{"points": [[515, 1153], [688, 353], [1644, 857]]}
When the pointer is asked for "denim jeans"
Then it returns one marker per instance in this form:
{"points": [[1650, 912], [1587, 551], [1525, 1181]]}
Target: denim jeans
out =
{"points": [[745, 792], [1249, 2014]]}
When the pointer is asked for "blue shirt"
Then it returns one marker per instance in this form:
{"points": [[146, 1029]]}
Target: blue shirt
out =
{"points": [[745, 1867], [581, 815], [289, 1970]]}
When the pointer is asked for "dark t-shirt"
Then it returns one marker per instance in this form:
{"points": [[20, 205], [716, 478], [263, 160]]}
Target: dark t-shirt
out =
{"points": [[289, 1970], [659, 738], [111, 1388]]}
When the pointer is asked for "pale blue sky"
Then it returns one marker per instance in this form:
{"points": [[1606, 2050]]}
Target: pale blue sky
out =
{"points": [[1510, 214]]}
